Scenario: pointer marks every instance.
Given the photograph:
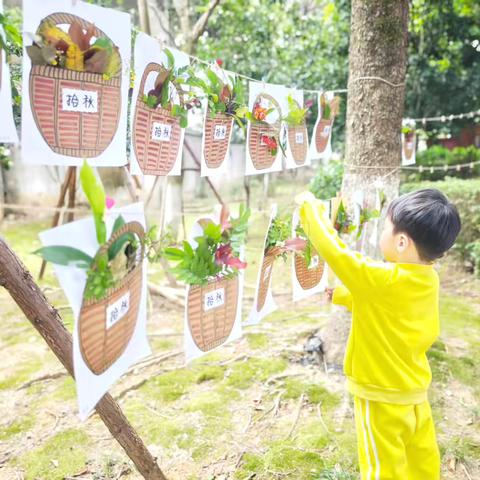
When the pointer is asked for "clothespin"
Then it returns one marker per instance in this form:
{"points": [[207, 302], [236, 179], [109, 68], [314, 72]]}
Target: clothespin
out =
{"points": [[459, 167], [451, 117], [471, 165], [420, 169], [263, 82], [161, 41], [431, 169], [424, 121], [445, 168], [471, 115], [461, 115], [443, 118]]}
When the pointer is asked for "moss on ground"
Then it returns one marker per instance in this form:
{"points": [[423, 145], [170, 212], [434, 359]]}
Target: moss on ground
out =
{"points": [[210, 372], [462, 447], [314, 392], [170, 386], [257, 340], [17, 426], [243, 374], [21, 374], [65, 449]]}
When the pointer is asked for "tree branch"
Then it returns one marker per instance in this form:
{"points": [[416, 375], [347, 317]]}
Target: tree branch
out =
{"points": [[201, 23]]}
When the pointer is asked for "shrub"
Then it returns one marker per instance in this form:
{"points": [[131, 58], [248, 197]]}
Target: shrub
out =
{"points": [[437, 155], [328, 180], [465, 194]]}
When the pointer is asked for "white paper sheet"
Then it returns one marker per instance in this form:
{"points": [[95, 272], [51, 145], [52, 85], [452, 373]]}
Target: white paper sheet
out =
{"points": [[301, 137], [148, 50], [327, 153], [35, 149], [219, 134], [278, 92], [298, 291], [8, 131], [214, 299], [413, 143], [81, 235], [269, 306]]}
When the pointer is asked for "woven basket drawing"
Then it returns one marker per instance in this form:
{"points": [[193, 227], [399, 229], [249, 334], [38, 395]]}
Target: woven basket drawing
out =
{"points": [[298, 140], [308, 277], [211, 327], [260, 153], [322, 134], [408, 145], [102, 345], [266, 275], [215, 150], [154, 156], [75, 134]]}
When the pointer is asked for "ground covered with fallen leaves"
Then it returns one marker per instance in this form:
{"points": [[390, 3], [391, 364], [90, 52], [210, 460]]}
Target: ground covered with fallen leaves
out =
{"points": [[255, 409]]}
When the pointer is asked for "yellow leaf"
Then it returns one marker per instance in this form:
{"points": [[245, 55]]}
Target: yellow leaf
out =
{"points": [[333, 103], [52, 34], [113, 62], [74, 60]]}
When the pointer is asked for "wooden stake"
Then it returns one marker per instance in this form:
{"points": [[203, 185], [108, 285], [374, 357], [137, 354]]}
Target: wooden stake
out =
{"points": [[56, 216], [46, 320]]}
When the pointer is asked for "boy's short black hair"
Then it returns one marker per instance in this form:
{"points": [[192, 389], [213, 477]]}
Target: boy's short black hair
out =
{"points": [[429, 218]]}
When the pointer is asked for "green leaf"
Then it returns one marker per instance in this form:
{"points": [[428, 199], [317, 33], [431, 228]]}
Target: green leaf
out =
{"points": [[34, 52], [249, 116], [96, 197], [212, 77], [270, 110], [49, 53], [174, 254], [104, 42], [176, 110], [119, 222], [151, 101], [116, 246], [241, 112], [67, 256], [183, 121], [239, 122], [171, 60], [326, 113]]}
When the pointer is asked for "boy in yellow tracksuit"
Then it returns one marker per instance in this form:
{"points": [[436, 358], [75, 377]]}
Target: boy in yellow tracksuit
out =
{"points": [[394, 309]]}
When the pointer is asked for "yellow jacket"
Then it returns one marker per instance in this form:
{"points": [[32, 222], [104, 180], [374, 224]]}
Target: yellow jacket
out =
{"points": [[395, 315]]}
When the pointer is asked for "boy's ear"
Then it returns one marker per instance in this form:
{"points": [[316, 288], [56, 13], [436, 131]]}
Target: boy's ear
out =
{"points": [[403, 242]]}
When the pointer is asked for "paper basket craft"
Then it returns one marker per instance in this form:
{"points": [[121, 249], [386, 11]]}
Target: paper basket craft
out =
{"points": [[106, 326], [309, 277], [215, 148], [155, 156], [259, 151], [322, 134], [211, 326], [71, 133], [298, 140], [266, 275], [409, 144]]}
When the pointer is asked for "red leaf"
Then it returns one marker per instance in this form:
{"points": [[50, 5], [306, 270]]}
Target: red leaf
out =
{"points": [[236, 262], [295, 243], [224, 218]]}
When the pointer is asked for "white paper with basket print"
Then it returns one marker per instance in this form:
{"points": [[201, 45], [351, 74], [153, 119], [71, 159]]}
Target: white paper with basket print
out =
{"points": [[325, 131], [81, 235], [299, 292], [269, 306], [209, 302], [409, 143], [8, 131], [148, 50], [219, 133], [35, 148], [278, 92], [300, 137]]}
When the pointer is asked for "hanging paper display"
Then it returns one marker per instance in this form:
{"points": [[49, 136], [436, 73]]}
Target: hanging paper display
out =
{"points": [[223, 103], [75, 83], [309, 270], [211, 265], [266, 103], [409, 140], [8, 131], [322, 133], [160, 108], [296, 151], [278, 243], [105, 284]]}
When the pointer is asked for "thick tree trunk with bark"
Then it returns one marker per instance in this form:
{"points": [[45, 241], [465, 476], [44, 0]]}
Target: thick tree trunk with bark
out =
{"points": [[378, 48]]}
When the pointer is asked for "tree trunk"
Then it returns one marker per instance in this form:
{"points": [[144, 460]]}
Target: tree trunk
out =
{"points": [[378, 48], [45, 318]]}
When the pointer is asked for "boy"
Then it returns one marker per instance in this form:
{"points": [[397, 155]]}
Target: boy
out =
{"points": [[394, 322]]}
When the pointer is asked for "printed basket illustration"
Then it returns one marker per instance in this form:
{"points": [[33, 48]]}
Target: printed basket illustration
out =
{"points": [[408, 145], [154, 156], [266, 275], [297, 138], [101, 344], [70, 133], [308, 277], [210, 327], [322, 134], [215, 149], [260, 153]]}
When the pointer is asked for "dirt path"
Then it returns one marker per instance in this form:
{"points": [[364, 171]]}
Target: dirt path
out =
{"points": [[251, 410]]}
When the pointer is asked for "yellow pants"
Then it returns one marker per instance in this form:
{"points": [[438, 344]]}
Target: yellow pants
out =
{"points": [[396, 442]]}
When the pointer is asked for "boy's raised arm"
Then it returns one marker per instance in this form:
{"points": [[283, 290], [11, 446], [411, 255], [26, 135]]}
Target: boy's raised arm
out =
{"points": [[342, 296], [353, 270]]}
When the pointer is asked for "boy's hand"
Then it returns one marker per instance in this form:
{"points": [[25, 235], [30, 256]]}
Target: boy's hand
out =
{"points": [[329, 293]]}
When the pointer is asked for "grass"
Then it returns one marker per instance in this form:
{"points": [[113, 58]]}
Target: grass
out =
{"points": [[244, 374], [65, 449], [21, 374], [17, 426]]}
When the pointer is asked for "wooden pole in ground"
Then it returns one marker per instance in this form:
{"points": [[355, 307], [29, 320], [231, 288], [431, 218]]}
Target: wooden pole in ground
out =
{"points": [[56, 216], [44, 317]]}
